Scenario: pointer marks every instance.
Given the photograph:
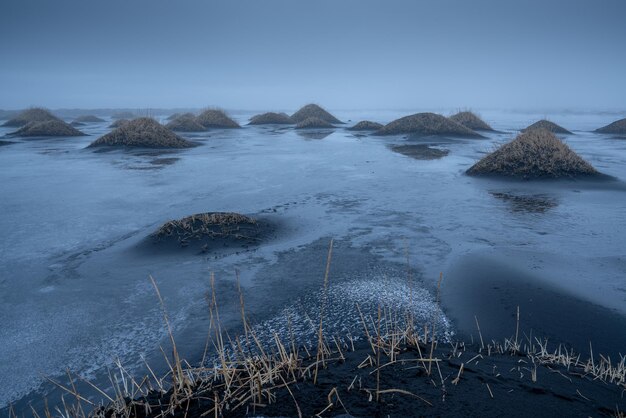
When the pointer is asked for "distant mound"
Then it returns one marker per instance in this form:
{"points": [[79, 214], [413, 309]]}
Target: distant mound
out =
{"points": [[174, 116], [143, 133], [35, 114], [211, 230], [271, 118], [313, 111], [617, 127], [118, 123], [548, 126], [88, 119], [426, 124], [420, 151], [76, 124], [215, 118], [366, 125], [471, 121], [123, 115], [47, 128], [185, 123], [534, 154], [310, 123]]}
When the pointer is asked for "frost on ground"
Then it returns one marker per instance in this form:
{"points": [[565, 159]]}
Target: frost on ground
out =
{"points": [[299, 322]]}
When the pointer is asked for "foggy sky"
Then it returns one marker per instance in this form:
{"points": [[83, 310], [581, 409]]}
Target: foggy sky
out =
{"points": [[280, 54]]}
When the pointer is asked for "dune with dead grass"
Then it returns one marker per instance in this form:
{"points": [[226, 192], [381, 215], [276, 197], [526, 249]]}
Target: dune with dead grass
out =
{"points": [[34, 114], [313, 111], [271, 118], [427, 124], [314, 123], [47, 128], [143, 133], [216, 118], [534, 154], [618, 127], [471, 120], [548, 126], [185, 122], [366, 125]]}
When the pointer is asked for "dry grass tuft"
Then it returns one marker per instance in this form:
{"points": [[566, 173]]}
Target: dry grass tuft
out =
{"points": [[617, 127], [216, 118], [271, 118], [548, 126], [34, 114], [426, 124], [313, 111], [312, 123], [534, 154], [366, 125], [47, 128], [206, 225], [142, 132], [471, 121]]}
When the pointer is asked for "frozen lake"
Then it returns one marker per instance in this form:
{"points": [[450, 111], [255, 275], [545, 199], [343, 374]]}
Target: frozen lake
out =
{"points": [[75, 292]]}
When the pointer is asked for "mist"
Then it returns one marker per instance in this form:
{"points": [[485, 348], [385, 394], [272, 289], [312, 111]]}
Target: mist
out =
{"points": [[281, 54]]}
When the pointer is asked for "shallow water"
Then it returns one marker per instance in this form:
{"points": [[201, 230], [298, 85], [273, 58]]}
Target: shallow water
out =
{"points": [[74, 289]]}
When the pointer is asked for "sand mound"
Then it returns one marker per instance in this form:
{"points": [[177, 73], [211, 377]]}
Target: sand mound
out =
{"points": [[35, 114], [123, 115], [310, 123], [471, 121], [313, 111], [271, 118], [47, 128], [548, 126], [142, 132], [214, 118], [366, 125], [534, 154], [118, 123], [209, 229], [88, 119], [185, 123], [617, 127], [425, 124]]}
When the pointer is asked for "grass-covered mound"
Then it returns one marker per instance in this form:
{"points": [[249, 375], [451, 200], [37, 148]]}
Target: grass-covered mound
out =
{"points": [[548, 126], [471, 121], [173, 116], [123, 115], [35, 114], [313, 123], [313, 111], [534, 154], [210, 230], [366, 125], [88, 119], [185, 123], [47, 128], [617, 127], [215, 118], [427, 124], [143, 133], [271, 118]]}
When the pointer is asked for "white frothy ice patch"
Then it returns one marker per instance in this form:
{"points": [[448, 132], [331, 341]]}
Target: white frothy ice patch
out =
{"points": [[299, 322]]}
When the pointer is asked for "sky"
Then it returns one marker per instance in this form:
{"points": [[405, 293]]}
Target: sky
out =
{"points": [[344, 54]]}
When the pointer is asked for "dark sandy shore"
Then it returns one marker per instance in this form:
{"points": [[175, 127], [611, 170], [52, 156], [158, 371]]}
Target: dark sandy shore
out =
{"points": [[460, 380]]}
